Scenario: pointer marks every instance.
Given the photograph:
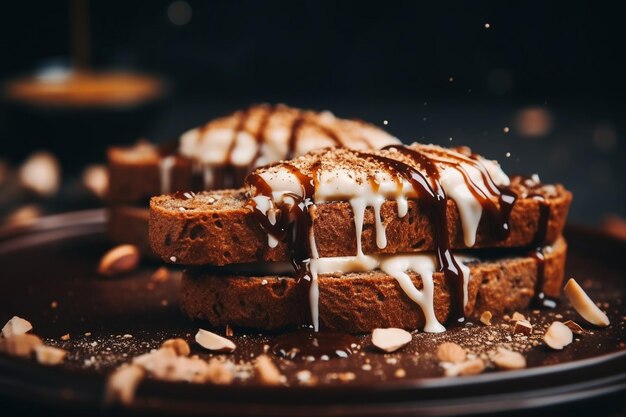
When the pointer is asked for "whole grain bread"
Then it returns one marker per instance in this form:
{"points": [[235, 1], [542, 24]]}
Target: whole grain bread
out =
{"points": [[218, 228], [360, 302], [135, 173]]}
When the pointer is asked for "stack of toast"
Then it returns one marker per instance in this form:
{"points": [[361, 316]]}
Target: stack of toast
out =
{"points": [[408, 236], [219, 155]]}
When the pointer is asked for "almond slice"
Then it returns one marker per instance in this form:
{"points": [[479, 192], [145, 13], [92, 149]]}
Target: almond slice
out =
{"points": [[22, 345], [16, 326], [508, 359], [267, 371], [517, 317], [471, 367], [119, 260], [558, 336], [214, 342], [574, 327], [451, 352], [584, 306], [390, 339], [122, 384], [48, 355], [522, 327]]}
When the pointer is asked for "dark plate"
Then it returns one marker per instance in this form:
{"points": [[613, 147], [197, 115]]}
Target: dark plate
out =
{"points": [[48, 276]]}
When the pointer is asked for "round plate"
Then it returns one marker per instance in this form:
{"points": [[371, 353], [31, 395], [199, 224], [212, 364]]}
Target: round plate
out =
{"points": [[48, 276]]}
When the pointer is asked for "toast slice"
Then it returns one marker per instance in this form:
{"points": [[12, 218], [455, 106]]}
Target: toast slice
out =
{"points": [[359, 302], [219, 228], [222, 152]]}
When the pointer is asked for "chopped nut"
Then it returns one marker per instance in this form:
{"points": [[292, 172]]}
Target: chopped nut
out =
{"points": [[48, 355], [507, 359], [522, 327], [558, 336], [517, 317], [485, 318], [65, 337], [267, 371], [471, 367], [16, 326], [214, 342], [122, 384], [584, 305], [399, 373], [451, 352], [119, 260], [390, 339], [21, 345], [162, 274], [305, 377], [228, 331], [574, 327], [180, 346], [96, 179], [219, 372], [41, 174]]}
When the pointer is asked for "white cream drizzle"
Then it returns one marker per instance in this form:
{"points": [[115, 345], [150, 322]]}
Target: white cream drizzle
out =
{"points": [[343, 184], [225, 140], [396, 266], [165, 170]]}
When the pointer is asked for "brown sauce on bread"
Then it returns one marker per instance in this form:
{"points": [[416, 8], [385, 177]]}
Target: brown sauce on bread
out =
{"points": [[293, 222]]}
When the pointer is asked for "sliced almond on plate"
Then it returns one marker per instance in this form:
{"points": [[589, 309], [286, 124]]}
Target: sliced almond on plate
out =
{"points": [[214, 342], [584, 305], [451, 352], [508, 359], [119, 260], [16, 326], [558, 336], [390, 339]]}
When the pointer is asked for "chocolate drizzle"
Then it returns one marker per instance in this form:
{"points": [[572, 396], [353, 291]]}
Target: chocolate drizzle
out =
{"points": [[434, 197], [292, 224], [540, 299]]}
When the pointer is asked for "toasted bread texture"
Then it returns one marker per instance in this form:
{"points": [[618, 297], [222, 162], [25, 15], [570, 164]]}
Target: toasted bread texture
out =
{"points": [[360, 302], [218, 228]]}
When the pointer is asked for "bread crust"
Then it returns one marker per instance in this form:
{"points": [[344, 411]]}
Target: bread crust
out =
{"points": [[217, 228], [134, 181], [360, 302]]}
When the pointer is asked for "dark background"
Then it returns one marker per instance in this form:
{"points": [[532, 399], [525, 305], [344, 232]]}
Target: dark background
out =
{"points": [[432, 70]]}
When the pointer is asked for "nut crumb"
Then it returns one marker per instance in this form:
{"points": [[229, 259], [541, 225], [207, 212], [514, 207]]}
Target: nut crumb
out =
{"points": [[267, 371], [119, 260], [48, 355], [508, 359], [16, 326], [522, 327], [485, 318], [574, 327], [471, 367], [399, 373], [162, 274], [451, 352], [558, 336], [65, 337], [180, 346]]}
